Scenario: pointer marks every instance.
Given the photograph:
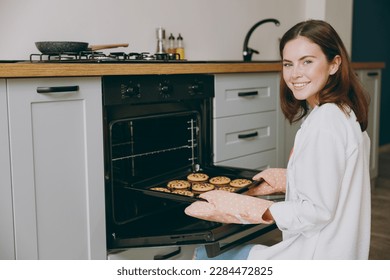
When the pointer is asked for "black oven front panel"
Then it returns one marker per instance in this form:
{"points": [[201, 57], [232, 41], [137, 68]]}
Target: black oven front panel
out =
{"points": [[152, 89]]}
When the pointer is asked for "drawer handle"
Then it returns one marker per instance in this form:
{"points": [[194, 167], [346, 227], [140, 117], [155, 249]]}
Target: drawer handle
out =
{"points": [[249, 135], [372, 74], [167, 256], [57, 89], [248, 93]]}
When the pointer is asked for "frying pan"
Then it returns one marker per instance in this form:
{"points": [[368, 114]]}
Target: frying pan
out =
{"points": [[57, 47]]}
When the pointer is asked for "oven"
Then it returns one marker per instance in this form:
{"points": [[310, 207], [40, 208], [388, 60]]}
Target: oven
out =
{"points": [[158, 128]]}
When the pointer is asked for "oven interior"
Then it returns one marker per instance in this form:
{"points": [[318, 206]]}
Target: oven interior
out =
{"points": [[145, 151]]}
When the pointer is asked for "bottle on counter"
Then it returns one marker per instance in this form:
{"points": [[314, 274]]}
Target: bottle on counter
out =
{"points": [[180, 46], [171, 44]]}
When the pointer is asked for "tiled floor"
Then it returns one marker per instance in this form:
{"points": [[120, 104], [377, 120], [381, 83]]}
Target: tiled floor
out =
{"points": [[380, 224]]}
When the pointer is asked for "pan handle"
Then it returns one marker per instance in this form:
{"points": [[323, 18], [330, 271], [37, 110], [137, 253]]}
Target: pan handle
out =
{"points": [[109, 46]]}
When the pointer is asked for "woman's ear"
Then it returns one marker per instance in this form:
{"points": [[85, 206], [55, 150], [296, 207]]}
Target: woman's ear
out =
{"points": [[335, 64]]}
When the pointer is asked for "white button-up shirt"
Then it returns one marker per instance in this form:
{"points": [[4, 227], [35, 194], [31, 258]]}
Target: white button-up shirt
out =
{"points": [[327, 212]]}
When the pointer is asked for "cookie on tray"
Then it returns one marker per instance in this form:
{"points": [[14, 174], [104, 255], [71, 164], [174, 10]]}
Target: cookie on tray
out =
{"points": [[160, 189], [220, 181], [199, 188], [179, 184], [183, 192], [228, 189], [240, 183], [197, 177]]}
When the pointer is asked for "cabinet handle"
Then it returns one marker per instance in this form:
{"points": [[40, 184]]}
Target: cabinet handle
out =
{"points": [[57, 89], [167, 256], [248, 93], [249, 135], [372, 74]]}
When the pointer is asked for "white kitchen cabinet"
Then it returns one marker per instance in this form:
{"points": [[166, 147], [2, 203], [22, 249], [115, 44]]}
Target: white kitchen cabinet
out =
{"points": [[371, 80], [248, 124], [7, 251], [57, 168]]}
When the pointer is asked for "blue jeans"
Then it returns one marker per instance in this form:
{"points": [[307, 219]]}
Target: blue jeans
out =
{"points": [[237, 253]]}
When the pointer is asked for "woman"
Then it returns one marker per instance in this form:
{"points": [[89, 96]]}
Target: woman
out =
{"points": [[326, 214]]}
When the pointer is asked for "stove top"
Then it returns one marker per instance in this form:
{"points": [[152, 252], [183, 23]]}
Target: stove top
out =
{"points": [[100, 57]]}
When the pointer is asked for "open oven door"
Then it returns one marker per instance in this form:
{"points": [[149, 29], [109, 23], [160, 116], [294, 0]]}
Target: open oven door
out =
{"points": [[168, 225], [173, 227]]}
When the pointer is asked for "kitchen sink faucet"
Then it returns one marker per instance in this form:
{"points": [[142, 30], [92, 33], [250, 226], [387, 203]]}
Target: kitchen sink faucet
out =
{"points": [[247, 51]]}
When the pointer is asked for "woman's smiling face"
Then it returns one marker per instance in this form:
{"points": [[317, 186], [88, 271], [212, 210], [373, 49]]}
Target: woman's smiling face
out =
{"points": [[306, 69]]}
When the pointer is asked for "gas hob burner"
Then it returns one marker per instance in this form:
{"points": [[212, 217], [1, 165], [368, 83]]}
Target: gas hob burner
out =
{"points": [[67, 56], [113, 57]]}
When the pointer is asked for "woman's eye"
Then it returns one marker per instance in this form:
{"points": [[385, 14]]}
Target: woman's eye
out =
{"points": [[287, 64], [307, 62]]}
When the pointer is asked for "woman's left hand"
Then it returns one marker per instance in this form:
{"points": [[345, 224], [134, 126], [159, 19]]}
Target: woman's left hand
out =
{"points": [[274, 181]]}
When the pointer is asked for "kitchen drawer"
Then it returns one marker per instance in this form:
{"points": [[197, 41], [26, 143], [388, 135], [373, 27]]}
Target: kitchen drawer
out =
{"points": [[243, 135], [258, 161], [155, 253], [237, 94]]}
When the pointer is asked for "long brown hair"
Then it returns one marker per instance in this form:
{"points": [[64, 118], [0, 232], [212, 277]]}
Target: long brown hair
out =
{"points": [[343, 88]]}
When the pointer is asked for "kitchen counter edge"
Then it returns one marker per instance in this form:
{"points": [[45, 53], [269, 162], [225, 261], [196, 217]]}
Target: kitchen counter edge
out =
{"points": [[31, 70]]}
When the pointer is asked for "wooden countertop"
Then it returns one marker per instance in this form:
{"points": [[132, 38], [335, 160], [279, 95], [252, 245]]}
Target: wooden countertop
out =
{"points": [[36, 69]]}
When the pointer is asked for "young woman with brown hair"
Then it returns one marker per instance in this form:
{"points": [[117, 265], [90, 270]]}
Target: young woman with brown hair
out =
{"points": [[327, 210]]}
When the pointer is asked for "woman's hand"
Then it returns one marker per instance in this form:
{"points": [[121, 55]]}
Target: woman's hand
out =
{"points": [[226, 207], [274, 181]]}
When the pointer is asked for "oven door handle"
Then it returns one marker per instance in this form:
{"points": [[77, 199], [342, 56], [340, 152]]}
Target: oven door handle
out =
{"points": [[218, 248], [169, 255]]}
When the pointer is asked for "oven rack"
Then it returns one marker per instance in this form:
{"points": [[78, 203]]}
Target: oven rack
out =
{"points": [[158, 152], [193, 144]]}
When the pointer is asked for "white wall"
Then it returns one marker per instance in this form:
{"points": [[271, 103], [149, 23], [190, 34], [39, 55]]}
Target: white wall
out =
{"points": [[337, 13], [212, 29]]}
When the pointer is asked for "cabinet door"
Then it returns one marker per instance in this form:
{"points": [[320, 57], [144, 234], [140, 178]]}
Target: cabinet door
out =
{"points": [[371, 80], [238, 94], [6, 220], [243, 135], [258, 161], [57, 168]]}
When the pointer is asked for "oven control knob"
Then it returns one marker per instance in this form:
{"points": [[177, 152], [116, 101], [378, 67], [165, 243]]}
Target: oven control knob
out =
{"points": [[131, 90], [165, 89], [196, 88]]}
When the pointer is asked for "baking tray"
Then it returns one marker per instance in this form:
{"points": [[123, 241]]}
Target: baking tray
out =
{"points": [[162, 181]]}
